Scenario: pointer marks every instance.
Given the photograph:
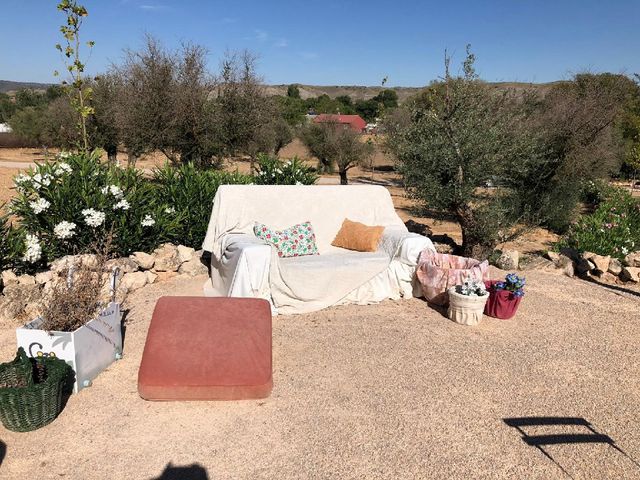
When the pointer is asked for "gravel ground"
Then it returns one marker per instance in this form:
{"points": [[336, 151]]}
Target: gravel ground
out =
{"points": [[393, 390]]}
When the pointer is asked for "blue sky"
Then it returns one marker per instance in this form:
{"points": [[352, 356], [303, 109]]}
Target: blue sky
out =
{"points": [[343, 42]]}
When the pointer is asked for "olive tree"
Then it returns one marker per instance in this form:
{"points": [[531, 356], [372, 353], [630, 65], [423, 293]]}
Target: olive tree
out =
{"points": [[245, 120], [336, 145], [460, 138]]}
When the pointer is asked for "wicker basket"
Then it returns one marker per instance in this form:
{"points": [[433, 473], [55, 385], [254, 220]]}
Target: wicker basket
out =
{"points": [[31, 391]]}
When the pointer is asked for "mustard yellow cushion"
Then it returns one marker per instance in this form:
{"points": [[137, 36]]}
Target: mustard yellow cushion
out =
{"points": [[358, 236]]}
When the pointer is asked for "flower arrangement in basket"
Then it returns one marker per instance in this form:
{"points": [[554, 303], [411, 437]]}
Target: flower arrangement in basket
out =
{"points": [[31, 391], [504, 296], [467, 301]]}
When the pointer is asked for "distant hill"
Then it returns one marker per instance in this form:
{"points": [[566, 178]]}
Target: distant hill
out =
{"points": [[356, 92], [7, 86]]}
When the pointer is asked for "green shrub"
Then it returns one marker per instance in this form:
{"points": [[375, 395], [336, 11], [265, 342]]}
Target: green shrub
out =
{"points": [[594, 192], [613, 229], [68, 205], [187, 193], [273, 171], [8, 241]]}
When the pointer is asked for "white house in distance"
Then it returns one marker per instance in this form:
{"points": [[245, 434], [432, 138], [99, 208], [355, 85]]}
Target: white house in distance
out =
{"points": [[5, 128]]}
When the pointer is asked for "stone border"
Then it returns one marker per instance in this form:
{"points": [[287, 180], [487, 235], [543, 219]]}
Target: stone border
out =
{"points": [[20, 294]]}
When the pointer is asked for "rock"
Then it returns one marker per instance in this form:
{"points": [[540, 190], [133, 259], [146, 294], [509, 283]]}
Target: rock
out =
{"points": [[568, 269], [133, 281], [601, 262], [17, 297], [559, 260], [606, 277], [8, 277], [167, 259], [443, 248], [583, 266], [535, 262], [185, 253], [106, 295], [632, 260], [126, 265], [144, 260], [587, 255], [88, 259], [419, 228], [563, 261], [26, 280], [572, 253], [508, 260], [553, 256], [151, 277], [164, 276], [193, 268], [630, 274], [615, 267], [44, 277]]}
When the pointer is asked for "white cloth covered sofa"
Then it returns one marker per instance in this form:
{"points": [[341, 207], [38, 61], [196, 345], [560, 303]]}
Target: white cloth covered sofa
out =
{"points": [[244, 266]]}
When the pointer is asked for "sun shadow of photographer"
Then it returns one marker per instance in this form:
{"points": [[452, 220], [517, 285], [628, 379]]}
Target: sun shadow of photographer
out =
{"points": [[189, 472]]}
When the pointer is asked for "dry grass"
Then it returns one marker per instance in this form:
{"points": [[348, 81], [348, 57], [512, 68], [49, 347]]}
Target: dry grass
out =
{"points": [[75, 295], [73, 300]]}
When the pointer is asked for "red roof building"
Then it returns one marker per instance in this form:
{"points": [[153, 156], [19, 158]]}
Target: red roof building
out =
{"points": [[355, 122]]}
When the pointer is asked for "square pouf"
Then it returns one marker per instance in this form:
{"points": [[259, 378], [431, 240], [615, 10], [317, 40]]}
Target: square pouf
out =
{"points": [[201, 348]]}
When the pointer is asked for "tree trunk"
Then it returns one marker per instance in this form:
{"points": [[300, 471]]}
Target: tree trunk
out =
{"points": [[131, 159], [112, 155], [343, 178], [474, 244]]}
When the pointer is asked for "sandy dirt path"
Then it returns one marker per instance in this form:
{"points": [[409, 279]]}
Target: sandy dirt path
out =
{"points": [[393, 391]]}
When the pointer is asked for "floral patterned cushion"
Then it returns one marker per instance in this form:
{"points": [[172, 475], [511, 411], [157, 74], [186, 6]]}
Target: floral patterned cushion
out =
{"points": [[291, 242]]}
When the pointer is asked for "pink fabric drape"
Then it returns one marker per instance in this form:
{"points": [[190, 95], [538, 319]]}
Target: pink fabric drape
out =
{"points": [[439, 271]]}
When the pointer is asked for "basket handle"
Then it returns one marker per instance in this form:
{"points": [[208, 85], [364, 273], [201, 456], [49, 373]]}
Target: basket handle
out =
{"points": [[22, 356], [24, 359]]}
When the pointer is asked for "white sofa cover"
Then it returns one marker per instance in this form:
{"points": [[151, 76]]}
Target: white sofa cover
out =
{"points": [[244, 266]]}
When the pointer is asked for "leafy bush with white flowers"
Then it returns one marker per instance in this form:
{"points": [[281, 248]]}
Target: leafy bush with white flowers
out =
{"points": [[273, 171], [67, 205], [186, 193], [612, 229]]}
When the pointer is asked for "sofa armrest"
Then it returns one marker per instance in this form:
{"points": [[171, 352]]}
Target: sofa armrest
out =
{"points": [[243, 270], [243, 240], [404, 246]]}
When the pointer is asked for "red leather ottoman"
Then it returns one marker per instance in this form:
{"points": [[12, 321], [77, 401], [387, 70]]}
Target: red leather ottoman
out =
{"points": [[201, 348]]}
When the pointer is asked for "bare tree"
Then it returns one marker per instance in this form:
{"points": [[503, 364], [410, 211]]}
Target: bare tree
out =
{"points": [[578, 120], [245, 119], [145, 108], [169, 102]]}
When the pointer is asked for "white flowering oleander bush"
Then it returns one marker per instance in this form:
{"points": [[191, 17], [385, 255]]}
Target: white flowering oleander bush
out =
{"points": [[73, 203], [273, 171], [612, 229], [65, 206], [186, 193]]}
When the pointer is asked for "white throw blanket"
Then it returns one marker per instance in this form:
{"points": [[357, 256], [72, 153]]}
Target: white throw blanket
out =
{"points": [[302, 284]]}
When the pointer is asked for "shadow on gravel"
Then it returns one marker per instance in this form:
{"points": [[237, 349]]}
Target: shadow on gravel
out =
{"points": [[616, 288], [540, 441], [189, 472], [3, 451]]}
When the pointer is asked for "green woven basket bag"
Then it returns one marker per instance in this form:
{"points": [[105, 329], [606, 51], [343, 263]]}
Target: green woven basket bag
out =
{"points": [[31, 391]]}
